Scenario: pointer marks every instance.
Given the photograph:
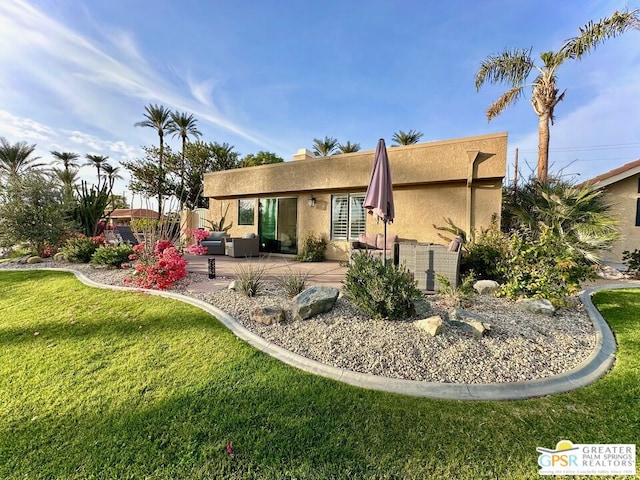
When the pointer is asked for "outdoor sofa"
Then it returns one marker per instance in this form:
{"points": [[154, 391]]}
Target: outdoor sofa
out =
{"points": [[374, 244], [247, 246], [215, 243]]}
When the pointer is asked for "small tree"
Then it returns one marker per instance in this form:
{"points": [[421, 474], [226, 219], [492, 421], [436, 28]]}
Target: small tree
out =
{"points": [[260, 158], [31, 211], [92, 203]]}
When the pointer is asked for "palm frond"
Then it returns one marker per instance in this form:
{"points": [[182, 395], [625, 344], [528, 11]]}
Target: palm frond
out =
{"points": [[504, 101], [511, 66], [594, 34]]}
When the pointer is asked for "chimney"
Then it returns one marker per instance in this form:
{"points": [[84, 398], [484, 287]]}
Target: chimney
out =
{"points": [[303, 154]]}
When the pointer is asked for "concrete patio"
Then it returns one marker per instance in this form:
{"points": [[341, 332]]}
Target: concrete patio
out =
{"points": [[328, 273]]}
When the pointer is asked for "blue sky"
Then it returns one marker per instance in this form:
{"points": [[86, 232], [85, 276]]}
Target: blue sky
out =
{"points": [[274, 74]]}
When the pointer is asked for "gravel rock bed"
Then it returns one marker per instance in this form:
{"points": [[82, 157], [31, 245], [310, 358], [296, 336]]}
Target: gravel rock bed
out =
{"points": [[520, 346]]}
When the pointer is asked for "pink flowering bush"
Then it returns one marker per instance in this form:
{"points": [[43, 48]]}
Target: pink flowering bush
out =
{"points": [[158, 269], [196, 248]]}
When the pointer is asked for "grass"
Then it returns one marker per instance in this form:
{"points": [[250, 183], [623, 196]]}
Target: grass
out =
{"points": [[126, 385]]}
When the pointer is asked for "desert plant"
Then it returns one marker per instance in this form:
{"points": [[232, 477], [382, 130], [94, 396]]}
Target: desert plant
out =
{"points": [[91, 204], [293, 282], [220, 226], [460, 296], [632, 260], [81, 248], [578, 215], [250, 278], [314, 248], [380, 289], [112, 256]]}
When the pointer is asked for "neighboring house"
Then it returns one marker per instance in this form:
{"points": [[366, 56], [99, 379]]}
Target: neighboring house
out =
{"points": [[458, 179], [622, 189], [123, 216]]}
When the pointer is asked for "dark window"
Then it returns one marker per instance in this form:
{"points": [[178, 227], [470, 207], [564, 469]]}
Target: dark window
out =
{"points": [[638, 212]]}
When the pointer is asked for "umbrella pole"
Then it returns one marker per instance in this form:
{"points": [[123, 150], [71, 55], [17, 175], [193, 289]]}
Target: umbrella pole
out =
{"points": [[384, 250]]}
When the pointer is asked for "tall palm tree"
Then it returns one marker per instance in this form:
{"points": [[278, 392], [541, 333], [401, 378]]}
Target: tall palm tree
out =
{"points": [[183, 125], [67, 177], [111, 173], [513, 67], [97, 161], [68, 159], [159, 118], [324, 148], [348, 147], [408, 138], [16, 158]]}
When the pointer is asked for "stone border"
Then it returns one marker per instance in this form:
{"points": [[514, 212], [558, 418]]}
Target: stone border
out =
{"points": [[587, 372]]}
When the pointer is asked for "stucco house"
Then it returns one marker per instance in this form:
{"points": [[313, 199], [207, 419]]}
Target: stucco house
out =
{"points": [[622, 189], [459, 179]]}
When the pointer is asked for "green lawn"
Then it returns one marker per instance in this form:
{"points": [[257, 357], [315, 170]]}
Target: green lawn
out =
{"points": [[128, 385]]}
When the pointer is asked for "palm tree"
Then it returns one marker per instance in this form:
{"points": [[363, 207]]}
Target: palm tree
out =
{"points": [[97, 161], [409, 138], [513, 67], [16, 159], [68, 159], [348, 147], [67, 177], [111, 173], [183, 125], [159, 118], [324, 148]]}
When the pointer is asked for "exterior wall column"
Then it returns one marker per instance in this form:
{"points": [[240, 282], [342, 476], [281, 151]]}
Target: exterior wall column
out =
{"points": [[473, 157]]}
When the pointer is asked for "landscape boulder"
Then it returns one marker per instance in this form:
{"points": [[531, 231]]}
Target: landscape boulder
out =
{"points": [[33, 260], [470, 322], [432, 325], [486, 287], [232, 285], [268, 315], [312, 301], [540, 306]]}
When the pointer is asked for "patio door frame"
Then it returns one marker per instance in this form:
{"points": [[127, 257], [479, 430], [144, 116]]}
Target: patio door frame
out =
{"points": [[277, 244]]}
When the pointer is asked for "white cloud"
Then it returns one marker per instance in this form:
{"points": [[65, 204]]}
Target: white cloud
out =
{"points": [[80, 75]]}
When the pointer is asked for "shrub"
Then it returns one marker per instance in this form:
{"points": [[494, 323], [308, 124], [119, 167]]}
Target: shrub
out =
{"points": [[249, 279], [632, 260], [484, 255], [112, 256], [314, 248], [158, 269], [293, 282], [380, 289], [80, 249], [461, 296], [543, 266]]}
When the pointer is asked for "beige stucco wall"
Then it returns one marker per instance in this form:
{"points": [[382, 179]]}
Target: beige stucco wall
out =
{"points": [[431, 183], [622, 196]]}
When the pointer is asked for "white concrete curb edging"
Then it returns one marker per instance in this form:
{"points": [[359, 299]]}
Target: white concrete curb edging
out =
{"points": [[587, 372]]}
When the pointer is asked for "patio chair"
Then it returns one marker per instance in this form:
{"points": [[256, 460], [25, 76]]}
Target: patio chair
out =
{"points": [[126, 234], [426, 261]]}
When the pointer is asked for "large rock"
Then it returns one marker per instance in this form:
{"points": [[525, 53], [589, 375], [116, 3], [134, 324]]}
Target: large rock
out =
{"points": [[33, 260], [432, 325], [268, 315], [312, 301], [470, 322], [609, 273], [486, 287], [540, 306]]}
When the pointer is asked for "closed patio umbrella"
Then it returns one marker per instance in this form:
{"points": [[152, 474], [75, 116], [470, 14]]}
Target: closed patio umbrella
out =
{"points": [[379, 198]]}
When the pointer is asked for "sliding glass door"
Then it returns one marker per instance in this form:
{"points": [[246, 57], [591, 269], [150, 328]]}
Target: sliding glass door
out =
{"points": [[278, 225]]}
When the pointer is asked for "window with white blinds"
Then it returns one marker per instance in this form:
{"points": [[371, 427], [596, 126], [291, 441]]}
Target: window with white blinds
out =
{"points": [[348, 218]]}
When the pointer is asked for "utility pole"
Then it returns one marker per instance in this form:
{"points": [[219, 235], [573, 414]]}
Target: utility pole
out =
{"points": [[515, 174]]}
